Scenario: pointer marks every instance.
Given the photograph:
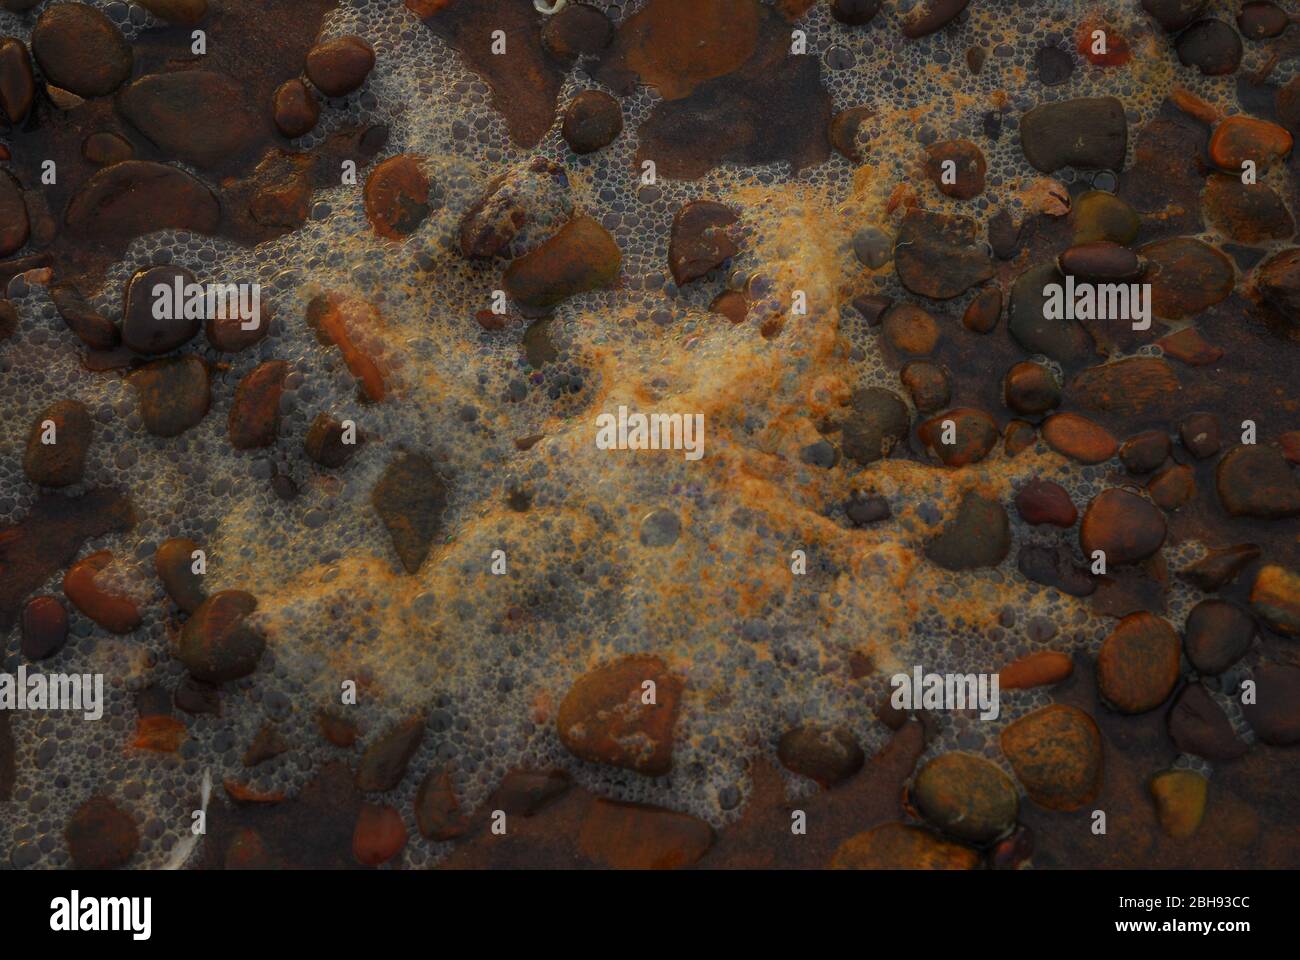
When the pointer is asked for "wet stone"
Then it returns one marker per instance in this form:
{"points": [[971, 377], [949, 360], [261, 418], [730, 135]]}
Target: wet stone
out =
{"points": [[1018, 436], [1179, 797], [17, 84], [1056, 754], [1277, 280], [700, 240], [873, 247], [1089, 133], [397, 197], [982, 313], [101, 835], [1240, 138], [627, 836], [325, 442], [1031, 389], [295, 110], [604, 717], [1064, 341], [827, 755], [854, 13], [927, 384], [1045, 501], [845, 132], [200, 116], [379, 835], [1042, 668], [174, 393], [1173, 486], [973, 436], [966, 797], [957, 168], [1255, 480], [217, 644], [581, 257], [1123, 525], [898, 846], [1138, 665], [1173, 15], [865, 509], [1186, 276], [233, 334], [1128, 387], [105, 148], [1275, 598], [1146, 451], [927, 18], [266, 745], [254, 419], [384, 763], [1260, 20], [1097, 216], [1004, 235], [44, 627], [1275, 714], [1100, 261], [1079, 438], [1248, 213], [142, 330], [1217, 634], [939, 256], [15, 227], [61, 462], [174, 562], [1053, 65], [579, 30], [340, 66], [879, 419], [437, 812], [80, 50], [1211, 46], [534, 195], [1198, 725], [592, 120], [1054, 566], [978, 536], [411, 499], [115, 612], [910, 330], [872, 307], [1199, 433], [1189, 347], [1220, 567]]}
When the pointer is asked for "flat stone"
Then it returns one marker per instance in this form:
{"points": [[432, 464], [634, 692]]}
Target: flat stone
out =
{"points": [[200, 116], [254, 419], [17, 83], [1275, 714], [15, 226], [966, 797], [80, 50], [397, 197], [173, 561], [175, 394], [137, 197], [604, 717], [1079, 438], [1123, 525], [61, 462], [979, 535], [626, 836], [898, 846], [1187, 276], [1219, 567], [1138, 666], [1089, 133], [1255, 480], [701, 240], [581, 257], [1056, 754], [217, 644], [827, 755], [1064, 340], [973, 435], [411, 499], [385, 761], [939, 256]]}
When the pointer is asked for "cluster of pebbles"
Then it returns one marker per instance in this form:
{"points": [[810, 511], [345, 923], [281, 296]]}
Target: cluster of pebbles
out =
{"points": [[363, 567]]}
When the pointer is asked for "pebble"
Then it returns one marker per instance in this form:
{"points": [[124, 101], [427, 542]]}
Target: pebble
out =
{"points": [[142, 330], [324, 442], [80, 50], [1056, 754], [437, 813], [62, 462], [1219, 567], [1277, 280], [626, 836], [1004, 235], [105, 148], [974, 434], [927, 384], [200, 116], [1087, 133], [1031, 389], [338, 67], [1039, 669], [116, 613], [1275, 597], [1255, 480], [845, 132], [579, 30], [982, 313], [1045, 501], [44, 627], [910, 330], [732, 304], [1123, 525], [1198, 725], [957, 168], [1187, 276], [174, 561], [854, 13], [1211, 46], [411, 499], [863, 509], [1240, 138], [1275, 714], [1098, 217], [1064, 341], [1173, 15], [979, 535], [345, 321], [1200, 434], [700, 240], [927, 18], [295, 110], [380, 835], [384, 762], [1079, 438], [522, 793], [15, 227], [1054, 566], [966, 797], [1189, 347], [17, 83], [254, 419], [533, 193], [592, 120], [873, 247], [397, 197], [1173, 486], [175, 394], [827, 755], [872, 307], [660, 528], [1138, 666], [217, 644], [1146, 451], [1247, 213], [898, 846], [581, 257], [101, 835], [1101, 261], [1179, 796], [1261, 20], [938, 256], [137, 197], [604, 719], [1054, 66], [879, 420]]}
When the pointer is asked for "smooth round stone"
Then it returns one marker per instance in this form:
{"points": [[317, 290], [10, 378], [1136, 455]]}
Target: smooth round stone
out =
{"points": [[660, 528], [141, 330], [80, 50], [873, 247], [44, 627]]}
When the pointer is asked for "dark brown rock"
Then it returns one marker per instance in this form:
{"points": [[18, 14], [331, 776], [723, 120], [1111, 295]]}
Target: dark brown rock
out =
{"points": [[957, 168], [604, 718], [175, 394], [17, 83], [1198, 725], [255, 414], [142, 329], [854, 13], [200, 116], [174, 563], [94, 330], [972, 436], [827, 755], [1173, 15], [410, 499], [1127, 387], [79, 49], [910, 330], [1186, 276], [106, 148], [939, 256], [1255, 480], [1079, 438], [1054, 566], [15, 226], [437, 813], [397, 197], [1275, 714], [523, 793], [982, 313], [325, 442], [44, 627], [581, 257], [1211, 46], [900, 846], [115, 612], [384, 763], [1248, 213], [1101, 261], [217, 644], [979, 535], [845, 132], [1145, 452], [927, 18], [592, 120], [1056, 754], [966, 797], [1217, 634], [1126, 527], [136, 197], [927, 384], [60, 462], [1200, 434], [295, 110], [1173, 486], [1219, 567], [338, 67], [626, 836], [701, 240], [1044, 501], [1089, 133], [100, 834], [1138, 665], [1031, 389], [579, 30]]}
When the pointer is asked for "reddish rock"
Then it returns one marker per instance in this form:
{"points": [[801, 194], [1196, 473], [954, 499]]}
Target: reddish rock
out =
{"points": [[116, 613], [44, 627], [17, 83], [80, 50], [898, 846], [384, 763], [827, 755], [1056, 754], [1079, 438], [1188, 346], [295, 110], [592, 121], [436, 811], [348, 322], [174, 392], [982, 313], [1173, 486], [523, 793], [101, 835], [217, 644], [397, 197], [910, 329], [1240, 138], [1123, 525], [1145, 452], [1275, 598], [604, 717], [338, 67], [628, 836], [1255, 480], [1186, 276], [973, 434], [1044, 501], [581, 257], [1127, 387], [380, 835], [1200, 434], [58, 444], [174, 563], [1138, 666], [701, 239], [966, 796], [137, 197], [957, 168], [95, 331], [255, 414], [200, 116], [1036, 670]]}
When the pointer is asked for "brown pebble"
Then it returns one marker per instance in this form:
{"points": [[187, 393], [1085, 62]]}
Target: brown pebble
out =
{"points": [[982, 313], [1079, 438], [1173, 486], [1145, 452], [927, 383], [175, 394], [44, 627], [1123, 525], [592, 120], [732, 304], [1045, 501], [1200, 435], [957, 168], [397, 197], [255, 414], [58, 444], [326, 444], [910, 329], [296, 111], [115, 612], [340, 66], [1138, 666], [104, 149], [1101, 261], [174, 562], [101, 835], [1031, 389]]}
